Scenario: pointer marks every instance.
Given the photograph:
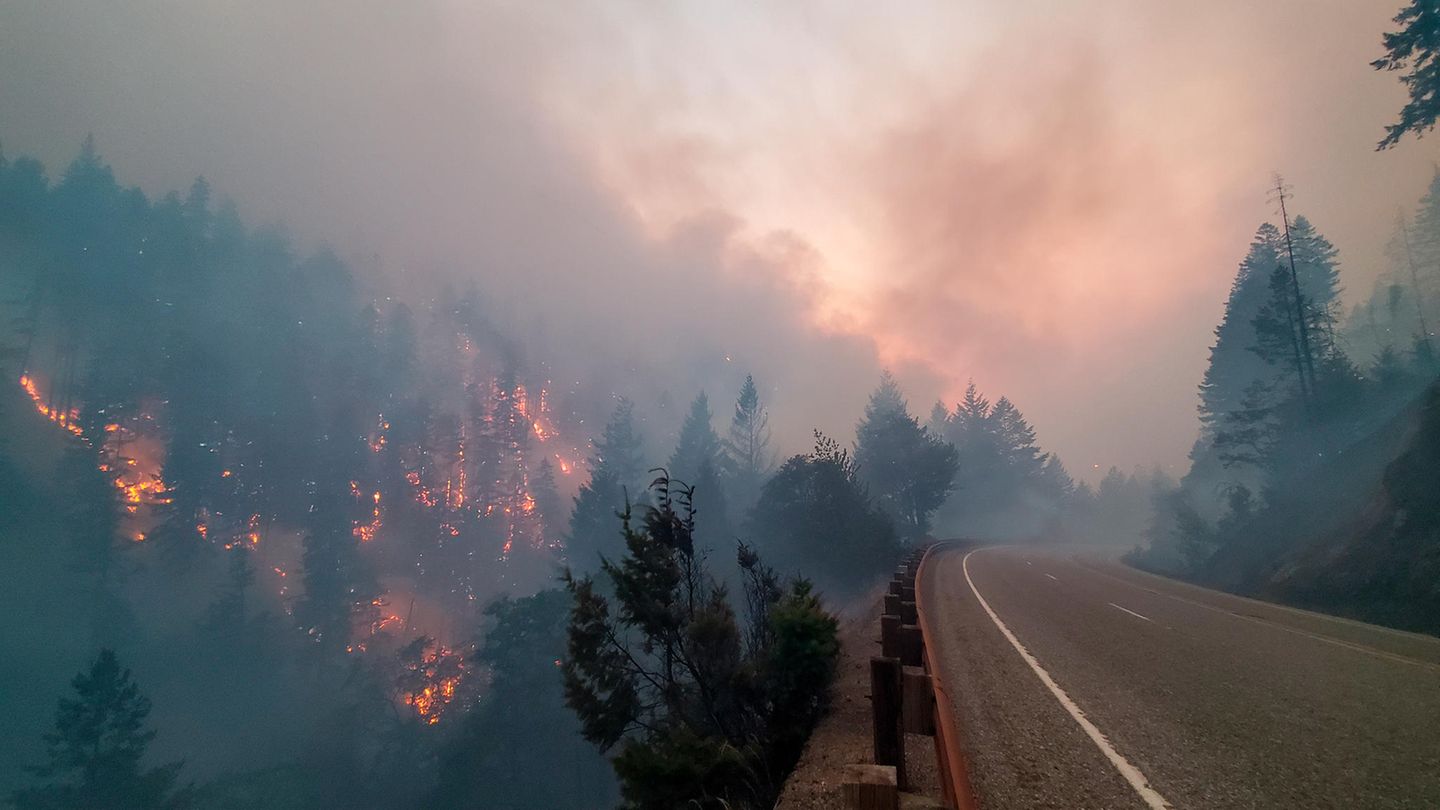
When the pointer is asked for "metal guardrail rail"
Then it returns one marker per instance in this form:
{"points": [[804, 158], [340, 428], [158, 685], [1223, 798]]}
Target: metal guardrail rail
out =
{"points": [[954, 776], [907, 698]]}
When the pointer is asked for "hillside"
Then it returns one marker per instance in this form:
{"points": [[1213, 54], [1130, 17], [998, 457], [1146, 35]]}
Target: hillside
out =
{"points": [[1358, 535]]}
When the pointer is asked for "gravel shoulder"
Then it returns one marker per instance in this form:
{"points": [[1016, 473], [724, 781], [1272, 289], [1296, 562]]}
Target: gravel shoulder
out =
{"points": [[843, 737]]}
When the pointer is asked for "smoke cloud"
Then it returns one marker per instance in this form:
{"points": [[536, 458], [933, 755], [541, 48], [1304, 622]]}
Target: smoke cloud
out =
{"points": [[664, 198]]}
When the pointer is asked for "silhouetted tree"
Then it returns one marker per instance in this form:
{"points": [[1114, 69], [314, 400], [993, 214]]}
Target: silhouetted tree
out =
{"points": [[1414, 49], [747, 448], [815, 514], [698, 445], [701, 719], [550, 765], [96, 751], [615, 469], [909, 472]]}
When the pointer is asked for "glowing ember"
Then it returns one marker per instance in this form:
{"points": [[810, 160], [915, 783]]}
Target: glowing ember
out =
{"points": [[64, 418], [429, 682], [367, 532]]}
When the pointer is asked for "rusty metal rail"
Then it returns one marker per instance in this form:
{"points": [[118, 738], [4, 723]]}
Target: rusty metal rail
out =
{"points": [[907, 698], [954, 776]]}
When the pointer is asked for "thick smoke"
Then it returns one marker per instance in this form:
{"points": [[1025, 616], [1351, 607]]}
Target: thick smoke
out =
{"points": [[812, 192]]}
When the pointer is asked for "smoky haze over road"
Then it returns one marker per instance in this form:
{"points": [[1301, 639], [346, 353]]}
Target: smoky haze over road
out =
{"points": [[1214, 700]]}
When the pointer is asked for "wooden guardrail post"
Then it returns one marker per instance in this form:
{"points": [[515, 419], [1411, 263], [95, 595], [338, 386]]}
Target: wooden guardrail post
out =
{"points": [[892, 605], [918, 696], [890, 643], [912, 645], [889, 732], [906, 611]]}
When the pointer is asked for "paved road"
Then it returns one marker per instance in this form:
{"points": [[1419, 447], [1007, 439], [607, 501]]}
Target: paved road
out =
{"points": [[1081, 683]]}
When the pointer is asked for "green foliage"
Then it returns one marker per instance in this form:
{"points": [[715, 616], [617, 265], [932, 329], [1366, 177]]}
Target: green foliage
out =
{"points": [[747, 448], [1004, 484], [704, 714], [615, 469], [96, 751], [907, 470], [1413, 49], [814, 513], [698, 446]]}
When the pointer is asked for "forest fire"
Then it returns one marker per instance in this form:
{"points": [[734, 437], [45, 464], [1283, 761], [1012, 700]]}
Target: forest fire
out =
{"points": [[366, 532], [65, 418], [430, 679]]}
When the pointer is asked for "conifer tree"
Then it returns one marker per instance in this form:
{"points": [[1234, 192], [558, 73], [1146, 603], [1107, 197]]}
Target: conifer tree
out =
{"points": [[615, 469], [1414, 49], [95, 753], [908, 471], [698, 445], [747, 447], [939, 424], [547, 499], [98, 549], [1233, 366]]}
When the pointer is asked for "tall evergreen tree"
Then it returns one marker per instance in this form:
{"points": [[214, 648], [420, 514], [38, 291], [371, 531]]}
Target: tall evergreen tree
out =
{"points": [[98, 549], [95, 754], [939, 424], [615, 470], [698, 445], [487, 764], [1233, 367], [747, 447], [908, 471]]}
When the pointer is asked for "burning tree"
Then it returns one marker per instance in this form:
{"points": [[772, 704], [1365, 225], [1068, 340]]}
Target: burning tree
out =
{"points": [[430, 674]]}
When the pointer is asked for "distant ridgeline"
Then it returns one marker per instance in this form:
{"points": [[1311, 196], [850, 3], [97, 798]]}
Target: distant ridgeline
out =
{"points": [[1316, 429]]}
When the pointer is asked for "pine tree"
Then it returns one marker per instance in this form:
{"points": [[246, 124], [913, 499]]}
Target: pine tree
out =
{"points": [[98, 549], [1057, 483], [339, 587], [615, 470], [95, 753], [619, 448], [1414, 49], [698, 445], [548, 502], [908, 471], [747, 447], [971, 422], [1017, 440], [939, 424], [1233, 366]]}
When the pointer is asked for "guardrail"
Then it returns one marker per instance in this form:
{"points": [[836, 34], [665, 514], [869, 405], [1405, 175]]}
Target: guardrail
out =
{"points": [[954, 777], [906, 697]]}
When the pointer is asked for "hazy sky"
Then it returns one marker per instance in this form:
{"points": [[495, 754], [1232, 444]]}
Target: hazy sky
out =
{"points": [[1047, 197]]}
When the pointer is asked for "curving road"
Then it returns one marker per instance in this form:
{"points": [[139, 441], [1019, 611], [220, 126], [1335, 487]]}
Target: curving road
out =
{"points": [[1082, 683]]}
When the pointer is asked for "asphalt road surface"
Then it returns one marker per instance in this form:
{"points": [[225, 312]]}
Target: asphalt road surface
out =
{"points": [[1081, 683]]}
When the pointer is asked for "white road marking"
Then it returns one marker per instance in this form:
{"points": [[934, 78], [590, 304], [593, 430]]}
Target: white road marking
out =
{"points": [[1361, 648], [1132, 613], [1132, 774], [1052, 576]]}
